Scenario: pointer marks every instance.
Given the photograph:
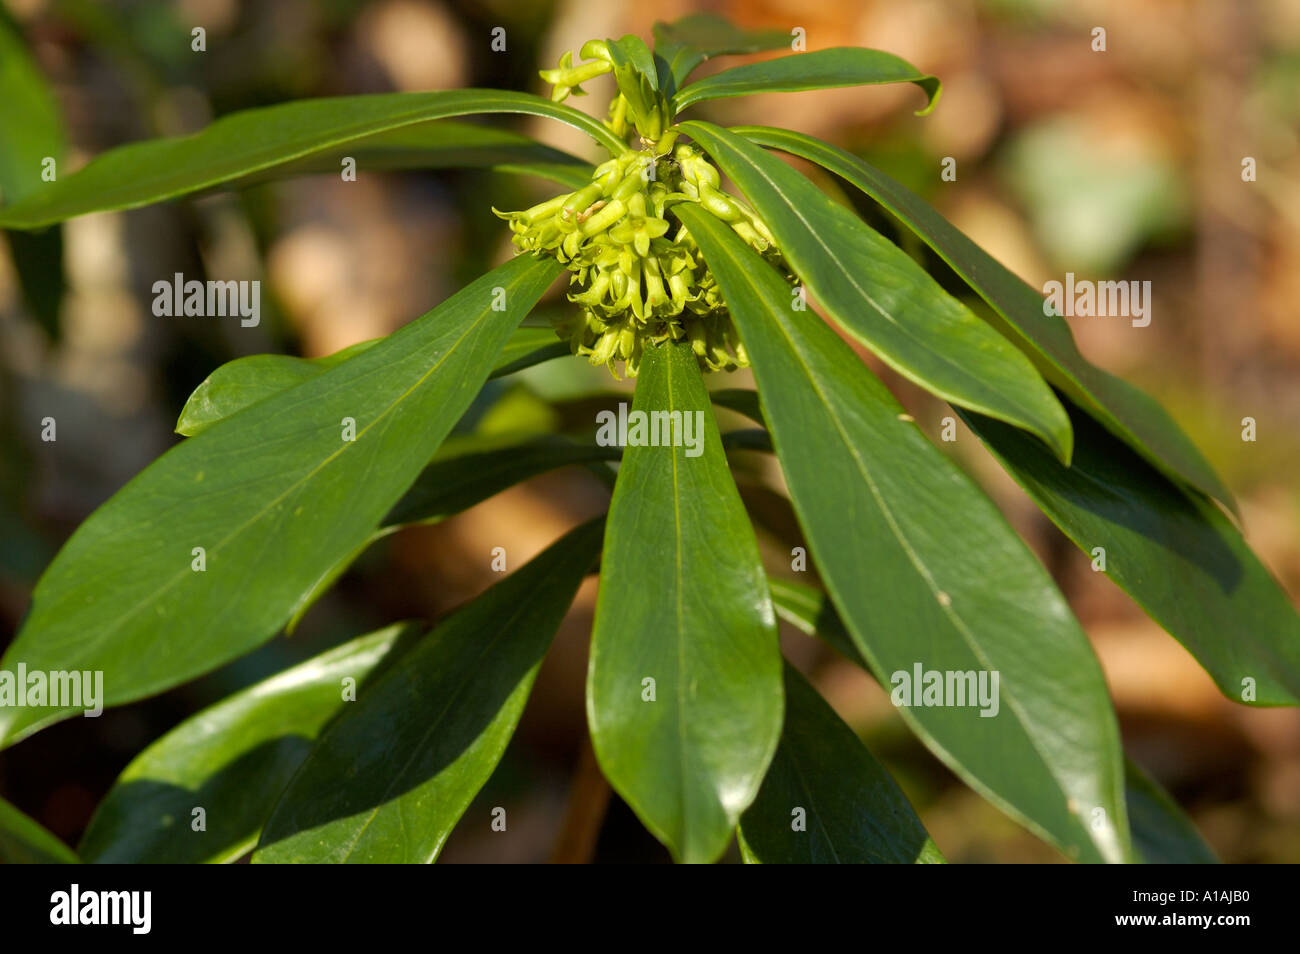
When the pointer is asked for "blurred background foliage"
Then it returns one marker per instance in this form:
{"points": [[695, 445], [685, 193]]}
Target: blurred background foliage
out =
{"points": [[1123, 164]]}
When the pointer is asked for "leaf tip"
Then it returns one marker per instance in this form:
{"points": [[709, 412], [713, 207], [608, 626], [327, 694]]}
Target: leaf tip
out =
{"points": [[932, 87]]}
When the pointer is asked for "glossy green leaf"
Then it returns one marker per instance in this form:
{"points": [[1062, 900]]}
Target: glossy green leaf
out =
{"points": [[527, 347], [807, 609], [1161, 832], [683, 603], [250, 142], [466, 473], [233, 759], [245, 381], [879, 295], [825, 799], [24, 842], [1179, 557], [391, 777], [821, 69], [31, 129], [687, 42], [926, 573], [632, 57], [1124, 410], [442, 144], [275, 497]]}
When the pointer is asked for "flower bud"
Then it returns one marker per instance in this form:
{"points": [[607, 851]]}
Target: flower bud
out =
{"points": [[595, 50], [750, 235], [595, 293], [603, 219], [695, 333], [626, 343], [618, 116], [605, 348], [655, 296], [578, 201]]}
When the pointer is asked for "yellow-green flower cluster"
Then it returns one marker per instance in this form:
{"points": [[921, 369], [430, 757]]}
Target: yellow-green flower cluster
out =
{"points": [[636, 272]]}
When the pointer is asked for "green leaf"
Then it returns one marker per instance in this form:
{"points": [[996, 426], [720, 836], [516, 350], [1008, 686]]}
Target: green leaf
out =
{"points": [[853, 810], [682, 602], [24, 842], [275, 496], [245, 381], [807, 609], [687, 42], [253, 141], [31, 129], [465, 473], [1179, 557], [637, 77], [391, 777], [527, 347], [233, 758], [1122, 409], [632, 60], [1162, 833], [926, 573], [879, 295], [442, 144], [821, 69]]}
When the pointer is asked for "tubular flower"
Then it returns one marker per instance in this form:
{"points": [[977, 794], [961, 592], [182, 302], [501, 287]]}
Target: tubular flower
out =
{"points": [[636, 273]]}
